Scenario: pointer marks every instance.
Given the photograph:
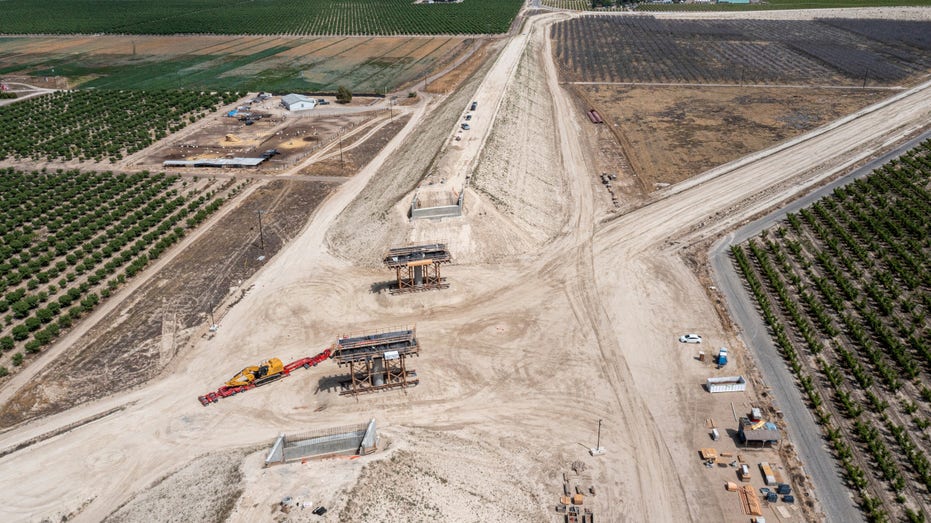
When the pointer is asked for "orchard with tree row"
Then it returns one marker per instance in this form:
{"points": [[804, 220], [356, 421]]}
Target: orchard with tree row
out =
{"points": [[98, 125], [68, 240], [844, 286], [290, 17]]}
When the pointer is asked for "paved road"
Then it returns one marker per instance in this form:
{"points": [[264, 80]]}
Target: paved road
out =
{"points": [[836, 500]]}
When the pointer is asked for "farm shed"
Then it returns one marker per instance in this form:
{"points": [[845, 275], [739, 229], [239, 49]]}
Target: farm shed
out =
{"points": [[726, 384], [297, 102]]}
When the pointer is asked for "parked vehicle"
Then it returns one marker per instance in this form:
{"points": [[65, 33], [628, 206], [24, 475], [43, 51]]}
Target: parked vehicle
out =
{"points": [[474, 106], [690, 338], [465, 127]]}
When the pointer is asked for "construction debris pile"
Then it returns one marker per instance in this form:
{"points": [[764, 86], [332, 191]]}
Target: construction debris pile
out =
{"points": [[576, 485]]}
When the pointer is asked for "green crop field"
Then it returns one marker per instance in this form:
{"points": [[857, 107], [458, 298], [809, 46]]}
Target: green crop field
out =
{"points": [[229, 63], [70, 239], [97, 125], [845, 289], [290, 17]]}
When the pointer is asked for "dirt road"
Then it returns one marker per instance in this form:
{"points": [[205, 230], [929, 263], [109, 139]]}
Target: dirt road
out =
{"points": [[521, 356]]}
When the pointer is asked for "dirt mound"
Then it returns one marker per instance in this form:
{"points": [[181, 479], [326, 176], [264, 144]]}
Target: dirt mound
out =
{"points": [[203, 490], [525, 183], [231, 138], [435, 482], [377, 218]]}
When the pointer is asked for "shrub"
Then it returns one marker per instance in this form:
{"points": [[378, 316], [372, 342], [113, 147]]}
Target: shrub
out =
{"points": [[343, 95], [20, 332]]}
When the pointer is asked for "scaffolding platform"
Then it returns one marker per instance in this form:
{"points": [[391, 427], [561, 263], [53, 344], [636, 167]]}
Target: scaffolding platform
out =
{"points": [[377, 361], [417, 267]]}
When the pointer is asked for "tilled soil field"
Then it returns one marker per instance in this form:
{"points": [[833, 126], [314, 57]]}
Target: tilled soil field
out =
{"points": [[160, 317], [357, 154]]}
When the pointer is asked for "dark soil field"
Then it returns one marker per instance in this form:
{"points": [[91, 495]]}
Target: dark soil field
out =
{"points": [[680, 97], [644, 49], [156, 320], [356, 155]]}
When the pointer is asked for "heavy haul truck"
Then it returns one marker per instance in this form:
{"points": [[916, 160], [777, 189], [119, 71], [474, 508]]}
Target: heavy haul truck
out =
{"points": [[261, 374]]}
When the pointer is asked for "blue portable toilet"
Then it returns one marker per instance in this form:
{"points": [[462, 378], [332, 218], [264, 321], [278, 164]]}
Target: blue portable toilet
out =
{"points": [[721, 360]]}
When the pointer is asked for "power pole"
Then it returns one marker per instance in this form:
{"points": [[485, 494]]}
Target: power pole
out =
{"points": [[340, 135], [598, 449], [261, 232]]}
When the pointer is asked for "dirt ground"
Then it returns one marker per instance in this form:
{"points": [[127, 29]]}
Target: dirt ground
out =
{"points": [[294, 135], [155, 323], [654, 137], [356, 154], [534, 342], [208, 487], [454, 78]]}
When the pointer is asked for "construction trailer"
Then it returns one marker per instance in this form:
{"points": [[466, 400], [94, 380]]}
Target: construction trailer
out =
{"points": [[417, 267], [377, 361], [726, 384]]}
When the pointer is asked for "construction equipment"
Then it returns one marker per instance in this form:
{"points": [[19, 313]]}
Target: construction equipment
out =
{"points": [[262, 374], [258, 374]]}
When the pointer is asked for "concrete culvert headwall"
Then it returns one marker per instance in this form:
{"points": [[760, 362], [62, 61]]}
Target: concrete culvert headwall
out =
{"points": [[347, 440], [438, 211]]}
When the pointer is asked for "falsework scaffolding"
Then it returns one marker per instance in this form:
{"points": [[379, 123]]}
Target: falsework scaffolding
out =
{"points": [[377, 361], [418, 267]]}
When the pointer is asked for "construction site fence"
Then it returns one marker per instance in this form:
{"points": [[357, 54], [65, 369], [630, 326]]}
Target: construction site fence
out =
{"points": [[321, 433]]}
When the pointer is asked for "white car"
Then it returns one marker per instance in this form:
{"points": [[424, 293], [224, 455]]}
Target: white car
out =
{"points": [[690, 338]]}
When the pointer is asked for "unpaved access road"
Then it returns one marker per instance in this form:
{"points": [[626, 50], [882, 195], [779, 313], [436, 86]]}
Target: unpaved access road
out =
{"points": [[520, 357]]}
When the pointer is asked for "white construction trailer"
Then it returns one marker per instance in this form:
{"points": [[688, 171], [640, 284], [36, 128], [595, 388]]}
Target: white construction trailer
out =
{"points": [[726, 384]]}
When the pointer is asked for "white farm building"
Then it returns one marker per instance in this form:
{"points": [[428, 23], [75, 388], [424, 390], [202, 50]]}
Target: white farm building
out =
{"points": [[297, 102]]}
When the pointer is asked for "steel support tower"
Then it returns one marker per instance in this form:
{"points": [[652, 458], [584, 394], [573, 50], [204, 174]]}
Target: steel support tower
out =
{"points": [[418, 267], [377, 361]]}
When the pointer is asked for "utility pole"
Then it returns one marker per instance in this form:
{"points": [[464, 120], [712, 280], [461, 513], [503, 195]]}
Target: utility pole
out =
{"points": [[598, 449], [261, 232], [340, 135]]}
